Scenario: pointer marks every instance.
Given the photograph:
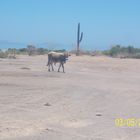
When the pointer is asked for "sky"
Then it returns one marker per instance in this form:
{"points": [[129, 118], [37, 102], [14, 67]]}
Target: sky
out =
{"points": [[54, 22]]}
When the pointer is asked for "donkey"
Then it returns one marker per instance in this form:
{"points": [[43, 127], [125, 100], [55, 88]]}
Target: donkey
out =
{"points": [[57, 57]]}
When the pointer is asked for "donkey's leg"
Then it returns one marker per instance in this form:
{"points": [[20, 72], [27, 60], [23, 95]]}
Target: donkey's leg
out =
{"points": [[52, 66], [48, 66], [63, 67], [59, 66]]}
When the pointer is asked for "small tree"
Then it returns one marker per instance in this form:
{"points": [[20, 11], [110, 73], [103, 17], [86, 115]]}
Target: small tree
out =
{"points": [[31, 49]]}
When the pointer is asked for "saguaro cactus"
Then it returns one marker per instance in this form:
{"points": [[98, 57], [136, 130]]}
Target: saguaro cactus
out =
{"points": [[79, 39]]}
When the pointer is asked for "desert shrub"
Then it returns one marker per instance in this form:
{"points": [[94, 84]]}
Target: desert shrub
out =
{"points": [[22, 51], [12, 53], [123, 52], [41, 51], [115, 50], [3, 54]]}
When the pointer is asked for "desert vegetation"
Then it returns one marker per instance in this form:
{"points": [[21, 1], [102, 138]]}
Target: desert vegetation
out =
{"points": [[116, 51], [123, 52], [30, 50]]}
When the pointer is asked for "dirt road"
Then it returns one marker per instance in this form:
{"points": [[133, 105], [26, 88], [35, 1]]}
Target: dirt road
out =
{"points": [[81, 104]]}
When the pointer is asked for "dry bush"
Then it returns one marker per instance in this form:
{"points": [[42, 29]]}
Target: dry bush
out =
{"points": [[3, 54]]}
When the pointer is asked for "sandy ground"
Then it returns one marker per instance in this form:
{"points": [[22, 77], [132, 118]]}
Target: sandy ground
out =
{"points": [[81, 104]]}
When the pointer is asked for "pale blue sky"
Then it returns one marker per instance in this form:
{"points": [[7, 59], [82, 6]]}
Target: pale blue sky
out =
{"points": [[104, 22]]}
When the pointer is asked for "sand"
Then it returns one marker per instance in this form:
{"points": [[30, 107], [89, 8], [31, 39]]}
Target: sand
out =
{"points": [[81, 104]]}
